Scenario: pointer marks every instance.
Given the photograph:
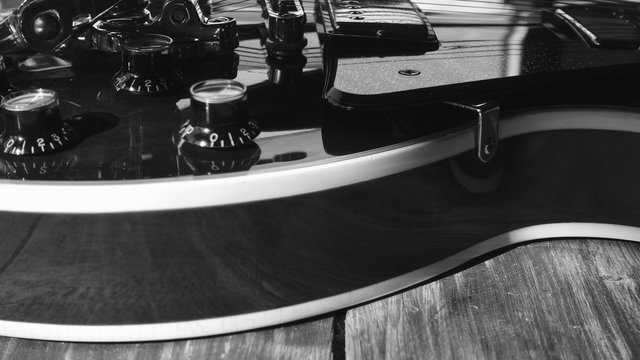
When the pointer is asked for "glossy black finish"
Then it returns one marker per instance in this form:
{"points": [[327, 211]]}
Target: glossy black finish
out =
{"points": [[193, 264], [218, 116], [141, 143], [32, 124], [219, 261], [221, 113], [5, 85], [148, 66], [504, 47], [522, 64]]}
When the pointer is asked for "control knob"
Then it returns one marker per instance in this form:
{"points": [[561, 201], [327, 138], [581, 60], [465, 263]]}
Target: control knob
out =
{"points": [[218, 117], [147, 66], [32, 124]]}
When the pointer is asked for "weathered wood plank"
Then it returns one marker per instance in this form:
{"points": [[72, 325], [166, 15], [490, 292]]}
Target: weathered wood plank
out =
{"points": [[574, 299], [567, 299], [312, 340]]}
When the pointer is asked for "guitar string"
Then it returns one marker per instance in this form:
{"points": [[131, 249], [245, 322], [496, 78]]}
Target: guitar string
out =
{"points": [[516, 18], [435, 58], [212, 6], [482, 4], [253, 58], [252, 54], [467, 6], [220, 6], [311, 52], [253, 61], [257, 52], [247, 56], [522, 3], [516, 10]]}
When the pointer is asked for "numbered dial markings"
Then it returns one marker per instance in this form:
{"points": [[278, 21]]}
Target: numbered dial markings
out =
{"points": [[147, 65], [36, 168], [203, 161], [32, 124], [38, 144], [140, 85], [227, 137]]}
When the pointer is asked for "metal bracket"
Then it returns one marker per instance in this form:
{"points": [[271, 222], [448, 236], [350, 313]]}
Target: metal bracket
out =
{"points": [[487, 114]]}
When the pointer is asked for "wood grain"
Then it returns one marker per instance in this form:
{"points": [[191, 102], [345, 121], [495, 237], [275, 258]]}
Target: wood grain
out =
{"points": [[571, 299], [214, 262], [310, 340]]}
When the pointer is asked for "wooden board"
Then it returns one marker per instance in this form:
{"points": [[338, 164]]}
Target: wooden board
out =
{"points": [[570, 299], [312, 340], [573, 299], [213, 267]]}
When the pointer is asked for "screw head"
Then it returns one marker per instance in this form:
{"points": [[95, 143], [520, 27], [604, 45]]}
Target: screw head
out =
{"points": [[179, 16], [409, 72], [489, 147]]}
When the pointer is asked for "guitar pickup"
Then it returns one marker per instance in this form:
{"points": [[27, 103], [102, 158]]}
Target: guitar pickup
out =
{"points": [[372, 26], [600, 28], [285, 20]]}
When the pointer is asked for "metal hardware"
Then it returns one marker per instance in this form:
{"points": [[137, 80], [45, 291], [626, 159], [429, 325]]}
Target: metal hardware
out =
{"points": [[375, 27], [48, 25], [285, 24], [487, 115], [179, 19], [51, 25], [409, 72]]}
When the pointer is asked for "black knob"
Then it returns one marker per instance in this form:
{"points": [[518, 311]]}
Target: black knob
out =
{"points": [[147, 66], [285, 24], [218, 116], [46, 25], [37, 168], [207, 162], [285, 70], [32, 125]]}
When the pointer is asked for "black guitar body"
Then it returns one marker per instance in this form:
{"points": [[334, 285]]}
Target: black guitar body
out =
{"points": [[367, 176]]}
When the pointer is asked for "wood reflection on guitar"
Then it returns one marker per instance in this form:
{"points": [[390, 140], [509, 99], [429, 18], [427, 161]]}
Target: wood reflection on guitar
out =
{"points": [[179, 169]]}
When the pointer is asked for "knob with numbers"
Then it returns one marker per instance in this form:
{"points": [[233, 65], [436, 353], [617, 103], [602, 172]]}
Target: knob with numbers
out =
{"points": [[147, 66], [205, 162], [32, 124], [218, 116]]}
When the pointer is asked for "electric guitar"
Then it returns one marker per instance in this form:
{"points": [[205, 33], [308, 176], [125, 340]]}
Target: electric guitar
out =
{"points": [[176, 169]]}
